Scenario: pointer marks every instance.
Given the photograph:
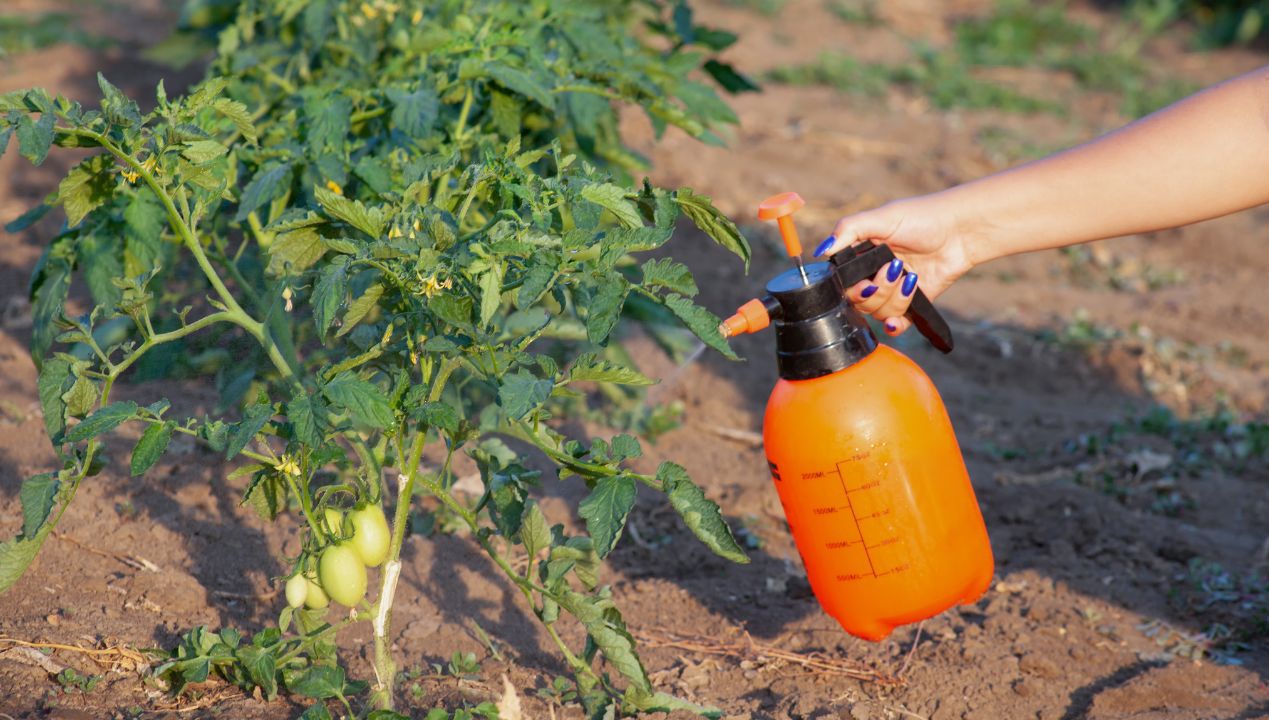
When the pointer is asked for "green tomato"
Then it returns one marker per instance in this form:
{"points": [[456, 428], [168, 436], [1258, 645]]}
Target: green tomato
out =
{"points": [[343, 574], [296, 590], [371, 536], [333, 522], [315, 597]]}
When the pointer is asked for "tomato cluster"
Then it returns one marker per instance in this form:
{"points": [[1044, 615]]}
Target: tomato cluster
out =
{"points": [[362, 539]]}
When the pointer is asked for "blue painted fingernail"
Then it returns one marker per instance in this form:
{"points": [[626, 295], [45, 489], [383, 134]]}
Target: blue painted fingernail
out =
{"points": [[892, 272], [824, 246], [868, 291], [909, 284], [891, 326]]}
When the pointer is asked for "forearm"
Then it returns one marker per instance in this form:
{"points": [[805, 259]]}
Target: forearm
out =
{"points": [[1203, 157]]}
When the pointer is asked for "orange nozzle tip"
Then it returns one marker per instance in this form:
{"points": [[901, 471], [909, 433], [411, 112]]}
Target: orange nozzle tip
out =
{"points": [[778, 206], [749, 318]]}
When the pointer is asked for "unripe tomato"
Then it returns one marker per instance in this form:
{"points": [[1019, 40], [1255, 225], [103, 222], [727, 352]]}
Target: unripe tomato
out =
{"points": [[333, 522], [371, 536], [343, 574], [296, 590], [315, 597]]}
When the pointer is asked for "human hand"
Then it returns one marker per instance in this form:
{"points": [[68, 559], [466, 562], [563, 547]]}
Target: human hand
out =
{"points": [[929, 242]]}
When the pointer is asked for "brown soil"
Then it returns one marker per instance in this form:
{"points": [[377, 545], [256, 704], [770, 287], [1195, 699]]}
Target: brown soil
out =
{"points": [[1094, 611]]}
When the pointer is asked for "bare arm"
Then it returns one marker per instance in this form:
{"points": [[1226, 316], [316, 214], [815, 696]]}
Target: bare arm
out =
{"points": [[1203, 157]]}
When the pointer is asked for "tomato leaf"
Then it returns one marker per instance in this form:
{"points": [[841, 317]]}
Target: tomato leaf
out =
{"points": [[520, 82], [521, 392], [253, 420], [535, 532], [329, 294], [16, 555], [604, 308], [359, 308], [363, 400], [605, 510], [604, 625], [265, 185], [713, 223], [237, 113], [85, 188], [703, 323], [294, 252], [613, 198], [319, 682], [589, 366], [414, 113], [371, 221], [699, 513], [671, 275], [659, 702], [151, 446], [54, 375], [303, 412], [102, 421], [35, 137], [261, 666], [38, 496], [201, 152]]}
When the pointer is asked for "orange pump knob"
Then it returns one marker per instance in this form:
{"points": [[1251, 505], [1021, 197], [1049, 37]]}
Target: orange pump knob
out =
{"points": [[749, 318], [781, 208]]}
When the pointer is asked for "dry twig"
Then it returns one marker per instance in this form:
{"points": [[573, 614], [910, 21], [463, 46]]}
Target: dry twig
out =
{"points": [[114, 657], [746, 647], [135, 562]]}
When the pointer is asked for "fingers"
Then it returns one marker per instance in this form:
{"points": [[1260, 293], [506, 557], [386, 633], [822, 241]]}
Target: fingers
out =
{"points": [[870, 225], [886, 296]]}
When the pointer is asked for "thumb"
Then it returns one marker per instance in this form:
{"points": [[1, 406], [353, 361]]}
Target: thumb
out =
{"points": [[871, 225]]}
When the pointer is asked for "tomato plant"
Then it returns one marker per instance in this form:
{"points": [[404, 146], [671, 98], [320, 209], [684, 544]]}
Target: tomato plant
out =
{"points": [[409, 224]]}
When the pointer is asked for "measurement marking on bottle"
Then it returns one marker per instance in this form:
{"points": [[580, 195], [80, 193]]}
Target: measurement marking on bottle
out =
{"points": [[842, 478]]}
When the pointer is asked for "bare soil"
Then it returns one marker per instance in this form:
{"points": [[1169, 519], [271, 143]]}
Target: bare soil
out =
{"points": [[1098, 605]]}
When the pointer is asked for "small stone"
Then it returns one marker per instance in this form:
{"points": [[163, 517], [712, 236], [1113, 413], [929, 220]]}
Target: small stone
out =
{"points": [[54, 619]]}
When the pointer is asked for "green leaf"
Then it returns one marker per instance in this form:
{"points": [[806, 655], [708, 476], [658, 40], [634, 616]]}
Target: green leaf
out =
{"points": [[364, 400], [703, 323], [415, 113], [490, 295], [535, 532], [85, 188], [104, 420], [368, 220], [118, 108], [451, 308], [237, 113], [267, 184], [144, 223], [50, 285], [302, 411], [319, 682], [262, 668], [359, 308], [30, 217], [81, 398], [520, 82], [253, 420], [294, 252], [699, 513], [604, 625], [604, 308], [328, 295], [318, 711], [438, 414], [16, 556], [39, 497], [671, 275], [729, 78], [35, 137], [605, 510], [590, 366], [713, 223], [54, 375], [664, 703], [151, 446], [613, 198], [521, 392], [201, 152]]}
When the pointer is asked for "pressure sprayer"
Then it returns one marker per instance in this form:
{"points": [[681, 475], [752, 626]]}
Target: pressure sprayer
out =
{"points": [[861, 449]]}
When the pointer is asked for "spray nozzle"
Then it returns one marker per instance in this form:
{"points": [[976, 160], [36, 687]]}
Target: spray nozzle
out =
{"points": [[749, 318], [781, 208]]}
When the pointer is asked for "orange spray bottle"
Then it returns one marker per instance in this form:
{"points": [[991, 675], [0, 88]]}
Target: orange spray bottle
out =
{"points": [[861, 449]]}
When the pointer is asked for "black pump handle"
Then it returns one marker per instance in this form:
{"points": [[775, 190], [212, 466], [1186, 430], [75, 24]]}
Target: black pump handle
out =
{"points": [[864, 260]]}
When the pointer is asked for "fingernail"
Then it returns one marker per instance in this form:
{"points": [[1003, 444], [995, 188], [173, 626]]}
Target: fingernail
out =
{"points": [[824, 246], [891, 326], [892, 272], [868, 291], [909, 284]]}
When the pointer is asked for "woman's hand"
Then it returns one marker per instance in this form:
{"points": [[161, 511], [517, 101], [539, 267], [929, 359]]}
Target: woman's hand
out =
{"points": [[930, 244]]}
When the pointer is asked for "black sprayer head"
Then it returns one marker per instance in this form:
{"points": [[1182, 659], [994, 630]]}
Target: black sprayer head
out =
{"points": [[817, 331]]}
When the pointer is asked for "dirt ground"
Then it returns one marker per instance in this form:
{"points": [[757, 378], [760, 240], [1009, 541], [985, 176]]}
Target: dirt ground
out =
{"points": [[1108, 530]]}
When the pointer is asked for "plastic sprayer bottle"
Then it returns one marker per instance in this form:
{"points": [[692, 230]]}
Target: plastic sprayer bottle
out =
{"points": [[861, 449]]}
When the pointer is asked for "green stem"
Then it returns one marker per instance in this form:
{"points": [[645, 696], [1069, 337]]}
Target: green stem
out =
{"points": [[159, 339]]}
